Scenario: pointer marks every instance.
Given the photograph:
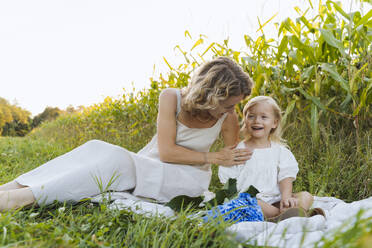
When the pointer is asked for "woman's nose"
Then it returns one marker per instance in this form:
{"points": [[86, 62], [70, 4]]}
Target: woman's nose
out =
{"points": [[230, 110]]}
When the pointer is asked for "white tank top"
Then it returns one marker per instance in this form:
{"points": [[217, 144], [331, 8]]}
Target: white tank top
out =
{"points": [[197, 139], [163, 181]]}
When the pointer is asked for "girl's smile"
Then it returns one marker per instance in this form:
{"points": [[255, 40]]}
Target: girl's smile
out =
{"points": [[260, 121]]}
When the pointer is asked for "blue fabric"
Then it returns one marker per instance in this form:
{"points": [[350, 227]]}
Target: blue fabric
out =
{"points": [[243, 208]]}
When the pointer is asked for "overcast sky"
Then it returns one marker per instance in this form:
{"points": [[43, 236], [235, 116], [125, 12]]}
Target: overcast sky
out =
{"points": [[56, 53]]}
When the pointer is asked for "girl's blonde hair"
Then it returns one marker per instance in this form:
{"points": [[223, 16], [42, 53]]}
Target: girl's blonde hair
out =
{"points": [[275, 133], [213, 82]]}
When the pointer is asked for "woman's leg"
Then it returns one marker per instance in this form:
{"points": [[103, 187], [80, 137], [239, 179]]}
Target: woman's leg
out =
{"points": [[11, 185], [268, 210], [305, 199], [16, 198]]}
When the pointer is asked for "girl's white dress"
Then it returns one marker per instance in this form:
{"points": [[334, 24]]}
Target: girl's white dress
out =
{"points": [[266, 168], [97, 166]]}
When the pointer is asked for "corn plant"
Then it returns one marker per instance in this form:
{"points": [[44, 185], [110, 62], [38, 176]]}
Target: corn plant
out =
{"points": [[319, 65]]}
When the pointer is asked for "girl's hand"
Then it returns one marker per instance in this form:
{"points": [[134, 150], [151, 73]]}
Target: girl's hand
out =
{"points": [[289, 202], [230, 156]]}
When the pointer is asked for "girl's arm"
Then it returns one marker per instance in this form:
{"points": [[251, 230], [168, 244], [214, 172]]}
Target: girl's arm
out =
{"points": [[288, 169], [287, 200], [170, 152]]}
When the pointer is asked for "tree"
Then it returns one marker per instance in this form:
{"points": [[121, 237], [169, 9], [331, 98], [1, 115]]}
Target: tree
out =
{"points": [[14, 121], [48, 114]]}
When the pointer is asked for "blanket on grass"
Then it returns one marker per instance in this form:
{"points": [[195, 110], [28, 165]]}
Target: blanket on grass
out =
{"points": [[293, 232]]}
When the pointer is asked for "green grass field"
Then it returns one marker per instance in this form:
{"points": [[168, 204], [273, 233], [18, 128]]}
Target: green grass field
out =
{"points": [[326, 169], [320, 72]]}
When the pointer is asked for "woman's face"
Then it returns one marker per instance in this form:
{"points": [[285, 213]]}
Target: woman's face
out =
{"points": [[226, 106]]}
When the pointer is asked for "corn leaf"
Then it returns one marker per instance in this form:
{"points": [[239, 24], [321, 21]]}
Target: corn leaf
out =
{"points": [[289, 26], [307, 23], [170, 67], [364, 19], [187, 34], [314, 122], [345, 102], [282, 46], [340, 10], [307, 72], [263, 25], [197, 43], [363, 99], [209, 47], [311, 4], [331, 40], [288, 111], [331, 69], [307, 50], [313, 99]]}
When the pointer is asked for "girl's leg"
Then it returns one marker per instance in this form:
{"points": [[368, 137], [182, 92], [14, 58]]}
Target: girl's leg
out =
{"points": [[268, 210], [11, 185], [305, 199], [16, 198]]}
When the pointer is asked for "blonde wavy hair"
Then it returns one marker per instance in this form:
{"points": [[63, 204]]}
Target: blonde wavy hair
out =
{"points": [[214, 82], [276, 133]]}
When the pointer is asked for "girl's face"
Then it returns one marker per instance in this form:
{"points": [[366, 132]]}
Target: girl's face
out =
{"points": [[260, 120], [226, 106]]}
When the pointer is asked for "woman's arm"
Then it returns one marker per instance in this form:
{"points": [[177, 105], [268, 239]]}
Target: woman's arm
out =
{"points": [[230, 129], [230, 135], [170, 152]]}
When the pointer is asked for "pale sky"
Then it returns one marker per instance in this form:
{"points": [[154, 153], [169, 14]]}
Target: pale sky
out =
{"points": [[57, 53]]}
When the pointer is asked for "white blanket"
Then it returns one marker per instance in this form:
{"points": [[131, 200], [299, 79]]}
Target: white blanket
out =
{"points": [[292, 232], [305, 232]]}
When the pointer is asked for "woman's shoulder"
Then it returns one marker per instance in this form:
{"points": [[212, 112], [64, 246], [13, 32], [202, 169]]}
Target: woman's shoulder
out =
{"points": [[169, 96], [168, 101], [169, 93]]}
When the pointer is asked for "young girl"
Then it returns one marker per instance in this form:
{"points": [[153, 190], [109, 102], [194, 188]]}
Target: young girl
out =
{"points": [[272, 167]]}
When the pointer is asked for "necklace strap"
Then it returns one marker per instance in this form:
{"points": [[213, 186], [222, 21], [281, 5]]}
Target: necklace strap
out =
{"points": [[204, 120], [178, 101]]}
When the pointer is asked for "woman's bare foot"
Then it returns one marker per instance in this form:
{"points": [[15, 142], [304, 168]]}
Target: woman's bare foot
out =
{"points": [[16, 198], [11, 185]]}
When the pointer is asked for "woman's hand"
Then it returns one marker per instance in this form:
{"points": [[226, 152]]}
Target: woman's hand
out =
{"points": [[230, 156]]}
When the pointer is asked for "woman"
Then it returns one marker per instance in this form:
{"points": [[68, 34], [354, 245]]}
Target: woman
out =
{"points": [[175, 162]]}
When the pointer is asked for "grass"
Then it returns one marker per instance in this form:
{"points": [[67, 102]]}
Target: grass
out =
{"points": [[90, 225], [87, 224], [334, 158], [326, 169]]}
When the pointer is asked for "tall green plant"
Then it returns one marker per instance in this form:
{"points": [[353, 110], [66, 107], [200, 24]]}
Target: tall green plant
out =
{"points": [[320, 65], [324, 60]]}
